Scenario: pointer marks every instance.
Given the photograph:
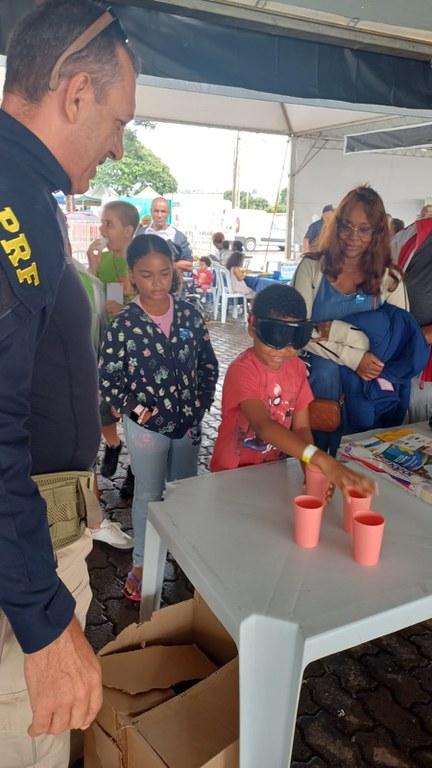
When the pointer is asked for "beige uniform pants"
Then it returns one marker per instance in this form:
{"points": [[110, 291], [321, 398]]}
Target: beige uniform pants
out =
{"points": [[17, 749]]}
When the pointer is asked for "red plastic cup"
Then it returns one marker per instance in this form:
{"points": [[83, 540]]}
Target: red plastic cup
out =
{"points": [[368, 529], [360, 502], [316, 483], [307, 520]]}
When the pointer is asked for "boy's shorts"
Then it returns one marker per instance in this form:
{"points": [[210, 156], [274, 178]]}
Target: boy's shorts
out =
{"points": [[105, 413]]}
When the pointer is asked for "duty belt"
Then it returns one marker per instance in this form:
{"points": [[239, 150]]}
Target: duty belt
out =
{"points": [[71, 504]]}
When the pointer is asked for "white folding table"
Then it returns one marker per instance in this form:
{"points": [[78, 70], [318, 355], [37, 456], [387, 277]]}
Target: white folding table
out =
{"points": [[232, 534]]}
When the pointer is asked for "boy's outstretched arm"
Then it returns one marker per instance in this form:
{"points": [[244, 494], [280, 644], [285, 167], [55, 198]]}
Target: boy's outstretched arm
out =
{"points": [[294, 441]]}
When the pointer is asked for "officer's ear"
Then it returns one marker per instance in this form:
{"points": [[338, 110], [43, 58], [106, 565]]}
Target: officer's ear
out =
{"points": [[78, 96]]}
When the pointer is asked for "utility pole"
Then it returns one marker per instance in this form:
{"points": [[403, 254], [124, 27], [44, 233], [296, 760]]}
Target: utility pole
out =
{"points": [[235, 197]]}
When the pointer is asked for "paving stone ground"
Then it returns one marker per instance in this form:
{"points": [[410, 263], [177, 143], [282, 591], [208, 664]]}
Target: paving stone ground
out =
{"points": [[369, 706]]}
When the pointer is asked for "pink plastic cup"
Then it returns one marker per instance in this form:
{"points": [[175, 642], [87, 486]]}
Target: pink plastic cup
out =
{"points": [[360, 502], [316, 483], [307, 520], [368, 529]]}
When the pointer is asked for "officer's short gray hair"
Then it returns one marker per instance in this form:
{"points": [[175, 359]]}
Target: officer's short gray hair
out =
{"points": [[44, 33]]}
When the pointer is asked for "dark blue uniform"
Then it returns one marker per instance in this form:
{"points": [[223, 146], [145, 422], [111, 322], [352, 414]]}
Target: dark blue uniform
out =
{"points": [[49, 418]]}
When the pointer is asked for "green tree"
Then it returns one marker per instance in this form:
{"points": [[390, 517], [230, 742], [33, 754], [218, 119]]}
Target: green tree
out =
{"points": [[282, 202], [138, 168], [248, 200]]}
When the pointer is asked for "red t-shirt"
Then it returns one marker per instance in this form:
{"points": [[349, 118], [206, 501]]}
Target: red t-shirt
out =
{"points": [[204, 277], [283, 392]]}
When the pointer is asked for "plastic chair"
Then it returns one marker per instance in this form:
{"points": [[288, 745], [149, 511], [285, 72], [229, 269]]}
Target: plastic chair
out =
{"points": [[225, 292]]}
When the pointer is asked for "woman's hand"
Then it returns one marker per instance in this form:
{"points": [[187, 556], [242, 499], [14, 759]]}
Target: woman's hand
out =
{"points": [[369, 367], [323, 329]]}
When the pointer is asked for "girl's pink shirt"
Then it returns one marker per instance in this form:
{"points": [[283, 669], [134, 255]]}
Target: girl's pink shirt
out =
{"points": [[163, 321]]}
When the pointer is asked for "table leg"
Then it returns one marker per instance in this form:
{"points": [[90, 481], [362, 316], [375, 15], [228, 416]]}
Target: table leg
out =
{"points": [[154, 566], [271, 670]]}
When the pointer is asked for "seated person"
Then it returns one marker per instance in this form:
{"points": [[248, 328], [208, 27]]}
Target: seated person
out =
{"points": [[266, 395], [203, 277], [225, 253], [234, 264], [237, 245]]}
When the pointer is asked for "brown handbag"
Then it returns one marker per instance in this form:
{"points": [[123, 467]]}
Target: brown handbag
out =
{"points": [[325, 415]]}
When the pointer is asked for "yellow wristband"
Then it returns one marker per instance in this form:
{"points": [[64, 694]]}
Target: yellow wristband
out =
{"points": [[308, 453]]}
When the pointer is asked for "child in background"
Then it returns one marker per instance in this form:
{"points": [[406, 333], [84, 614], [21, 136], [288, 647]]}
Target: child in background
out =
{"points": [[203, 277], [157, 368], [266, 395], [237, 245], [119, 222], [234, 264]]}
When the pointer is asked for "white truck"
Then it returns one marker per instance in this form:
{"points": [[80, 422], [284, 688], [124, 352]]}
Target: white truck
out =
{"points": [[254, 228]]}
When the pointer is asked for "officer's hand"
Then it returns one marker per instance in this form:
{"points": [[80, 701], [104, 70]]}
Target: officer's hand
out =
{"points": [[64, 682]]}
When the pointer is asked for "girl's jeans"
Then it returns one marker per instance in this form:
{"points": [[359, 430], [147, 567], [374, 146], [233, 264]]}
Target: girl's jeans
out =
{"points": [[156, 459]]}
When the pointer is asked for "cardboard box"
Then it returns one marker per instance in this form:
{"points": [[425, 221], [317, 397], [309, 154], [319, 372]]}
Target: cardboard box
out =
{"points": [[191, 621], [198, 729], [139, 680], [99, 750], [180, 643]]}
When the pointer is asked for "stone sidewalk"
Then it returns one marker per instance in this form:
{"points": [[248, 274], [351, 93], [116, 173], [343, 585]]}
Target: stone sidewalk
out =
{"points": [[369, 706]]}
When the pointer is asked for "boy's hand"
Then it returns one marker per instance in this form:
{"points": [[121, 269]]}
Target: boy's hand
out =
{"points": [[113, 308], [344, 477], [94, 253]]}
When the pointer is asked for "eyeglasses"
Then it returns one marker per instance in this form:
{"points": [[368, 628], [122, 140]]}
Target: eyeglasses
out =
{"points": [[346, 230], [89, 34]]}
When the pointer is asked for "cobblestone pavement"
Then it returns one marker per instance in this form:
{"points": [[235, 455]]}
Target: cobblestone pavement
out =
{"points": [[369, 706]]}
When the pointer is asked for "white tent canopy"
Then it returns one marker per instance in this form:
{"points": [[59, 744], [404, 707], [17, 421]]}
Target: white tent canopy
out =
{"points": [[175, 101], [392, 27]]}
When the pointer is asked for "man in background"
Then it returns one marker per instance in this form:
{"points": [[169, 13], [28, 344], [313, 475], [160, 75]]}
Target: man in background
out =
{"points": [[68, 94], [160, 212], [311, 238]]}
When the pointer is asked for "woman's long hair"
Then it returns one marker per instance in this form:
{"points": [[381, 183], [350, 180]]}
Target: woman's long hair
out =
{"points": [[236, 259], [376, 258]]}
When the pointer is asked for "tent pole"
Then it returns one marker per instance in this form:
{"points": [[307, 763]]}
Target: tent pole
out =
{"points": [[289, 244], [235, 197]]}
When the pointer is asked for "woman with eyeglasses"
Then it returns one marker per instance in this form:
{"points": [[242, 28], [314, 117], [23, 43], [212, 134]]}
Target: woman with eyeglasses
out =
{"points": [[352, 289]]}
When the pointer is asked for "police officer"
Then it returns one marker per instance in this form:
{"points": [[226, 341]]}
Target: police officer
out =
{"points": [[69, 92]]}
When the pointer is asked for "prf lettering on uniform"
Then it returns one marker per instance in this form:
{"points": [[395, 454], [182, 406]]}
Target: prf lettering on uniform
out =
{"points": [[17, 248]]}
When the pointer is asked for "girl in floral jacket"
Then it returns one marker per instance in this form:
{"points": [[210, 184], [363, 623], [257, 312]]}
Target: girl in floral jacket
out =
{"points": [[158, 369]]}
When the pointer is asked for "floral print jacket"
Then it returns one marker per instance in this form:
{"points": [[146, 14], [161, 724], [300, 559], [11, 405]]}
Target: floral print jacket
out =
{"points": [[176, 377]]}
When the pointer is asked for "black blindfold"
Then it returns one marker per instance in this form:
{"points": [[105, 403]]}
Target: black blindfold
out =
{"points": [[283, 333]]}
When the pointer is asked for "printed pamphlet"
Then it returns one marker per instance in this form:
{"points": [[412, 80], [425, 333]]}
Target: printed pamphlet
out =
{"points": [[402, 455]]}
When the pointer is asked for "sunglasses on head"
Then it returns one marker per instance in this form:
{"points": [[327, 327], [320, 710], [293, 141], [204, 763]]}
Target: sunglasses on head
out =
{"points": [[83, 39], [283, 333]]}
